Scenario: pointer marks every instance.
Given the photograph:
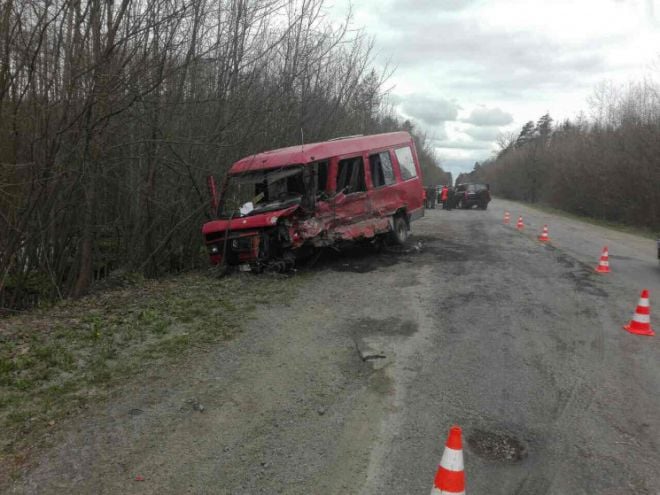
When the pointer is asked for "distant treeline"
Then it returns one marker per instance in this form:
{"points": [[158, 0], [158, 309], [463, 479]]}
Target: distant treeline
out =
{"points": [[606, 167], [113, 112]]}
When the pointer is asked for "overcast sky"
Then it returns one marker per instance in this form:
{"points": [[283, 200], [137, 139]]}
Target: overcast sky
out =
{"points": [[468, 70]]}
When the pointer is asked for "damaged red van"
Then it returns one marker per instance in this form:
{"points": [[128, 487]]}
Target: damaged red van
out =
{"points": [[282, 205]]}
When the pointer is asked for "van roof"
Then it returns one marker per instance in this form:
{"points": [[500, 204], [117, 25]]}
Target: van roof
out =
{"points": [[318, 151]]}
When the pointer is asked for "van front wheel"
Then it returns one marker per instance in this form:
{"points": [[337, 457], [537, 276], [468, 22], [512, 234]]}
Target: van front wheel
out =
{"points": [[399, 230]]}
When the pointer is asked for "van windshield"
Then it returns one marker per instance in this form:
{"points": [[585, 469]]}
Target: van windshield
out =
{"points": [[265, 190]]}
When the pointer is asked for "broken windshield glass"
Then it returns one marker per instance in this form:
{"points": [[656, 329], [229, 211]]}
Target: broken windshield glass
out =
{"points": [[265, 190]]}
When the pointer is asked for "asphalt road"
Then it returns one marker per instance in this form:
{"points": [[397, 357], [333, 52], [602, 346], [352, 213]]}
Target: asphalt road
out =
{"points": [[353, 387], [528, 354]]}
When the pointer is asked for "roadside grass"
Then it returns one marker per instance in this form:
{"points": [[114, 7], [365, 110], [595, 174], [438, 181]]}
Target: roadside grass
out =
{"points": [[626, 229], [57, 361]]}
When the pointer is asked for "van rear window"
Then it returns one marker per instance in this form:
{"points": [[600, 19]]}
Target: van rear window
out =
{"points": [[406, 163]]}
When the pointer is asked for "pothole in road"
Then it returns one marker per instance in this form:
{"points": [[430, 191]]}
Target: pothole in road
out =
{"points": [[496, 446]]}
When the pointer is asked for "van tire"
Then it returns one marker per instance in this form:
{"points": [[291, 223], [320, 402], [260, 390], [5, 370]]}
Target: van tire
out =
{"points": [[399, 232]]}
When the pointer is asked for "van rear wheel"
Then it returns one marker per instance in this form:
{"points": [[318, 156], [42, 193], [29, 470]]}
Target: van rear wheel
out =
{"points": [[399, 230]]}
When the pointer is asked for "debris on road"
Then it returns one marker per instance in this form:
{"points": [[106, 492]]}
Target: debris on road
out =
{"points": [[195, 405], [367, 357], [415, 248]]}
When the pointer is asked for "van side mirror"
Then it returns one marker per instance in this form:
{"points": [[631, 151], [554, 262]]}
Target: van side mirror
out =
{"points": [[213, 193]]}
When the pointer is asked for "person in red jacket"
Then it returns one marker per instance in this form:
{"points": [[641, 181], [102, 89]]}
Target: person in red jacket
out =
{"points": [[444, 194]]}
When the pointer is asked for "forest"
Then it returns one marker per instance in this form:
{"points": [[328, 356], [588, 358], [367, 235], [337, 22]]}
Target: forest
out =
{"points": [[114, 112], [604, 166]]}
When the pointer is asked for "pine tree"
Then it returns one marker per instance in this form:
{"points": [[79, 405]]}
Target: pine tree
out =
{"points": [[544, 126], [526, 134]]}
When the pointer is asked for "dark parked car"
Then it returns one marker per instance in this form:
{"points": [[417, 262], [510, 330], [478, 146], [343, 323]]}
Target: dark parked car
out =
{"points": [[469, 195]]}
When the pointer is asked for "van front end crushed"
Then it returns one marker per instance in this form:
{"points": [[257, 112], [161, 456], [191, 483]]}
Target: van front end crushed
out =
{"points": [[258, 242], [233, 248], [283, 205]]}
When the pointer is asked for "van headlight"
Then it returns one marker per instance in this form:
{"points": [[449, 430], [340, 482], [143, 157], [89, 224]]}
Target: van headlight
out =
{"points": [[214, 249]]}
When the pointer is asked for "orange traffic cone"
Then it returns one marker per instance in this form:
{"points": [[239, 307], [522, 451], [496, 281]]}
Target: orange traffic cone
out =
{"points": [[544, 237], [450, 478], [507, 217], [641, 320], [520, 225], [604, 262]]}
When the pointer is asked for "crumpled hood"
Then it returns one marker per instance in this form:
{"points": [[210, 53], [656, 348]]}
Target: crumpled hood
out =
{"points": [[259, 220]]}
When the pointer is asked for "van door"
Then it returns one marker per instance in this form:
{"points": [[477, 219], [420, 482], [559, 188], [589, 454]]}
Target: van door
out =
{"points": [[351, 203], [385, 199], [411, 185]]}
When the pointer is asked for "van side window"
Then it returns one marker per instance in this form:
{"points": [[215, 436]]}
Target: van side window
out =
{"points": [[350, 175], [382, 172], [406, 163], [321, 176]]}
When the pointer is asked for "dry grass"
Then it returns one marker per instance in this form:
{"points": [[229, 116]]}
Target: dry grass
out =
{"points": [[55, 362]]}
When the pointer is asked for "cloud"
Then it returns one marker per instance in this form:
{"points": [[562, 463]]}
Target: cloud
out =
{"points": [[485, 133], [463, 54], [482, 116], [429, 109], [393, 99], [436, 133], [458, 166], [463, 144], [430, 6]]}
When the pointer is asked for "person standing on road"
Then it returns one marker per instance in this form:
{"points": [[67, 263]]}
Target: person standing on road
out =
{"points": [[443, 196], [450, 198]]}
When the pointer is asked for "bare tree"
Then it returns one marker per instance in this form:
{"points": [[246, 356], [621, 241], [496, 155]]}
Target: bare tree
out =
{"points": [[112, 112], [605, 167]]}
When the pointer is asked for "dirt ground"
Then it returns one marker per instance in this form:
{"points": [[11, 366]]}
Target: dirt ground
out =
{"points": [[352, 385]]}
